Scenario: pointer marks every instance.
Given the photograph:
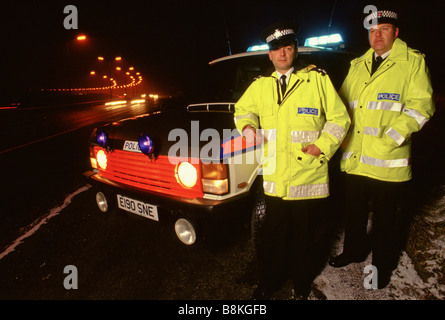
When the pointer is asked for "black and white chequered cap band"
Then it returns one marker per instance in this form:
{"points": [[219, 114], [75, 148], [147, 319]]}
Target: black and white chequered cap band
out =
{"points": [[383, 14], [278, 34]]}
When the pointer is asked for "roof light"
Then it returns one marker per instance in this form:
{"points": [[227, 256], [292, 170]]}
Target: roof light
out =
{"points": [[258, 48], [322, 41]]}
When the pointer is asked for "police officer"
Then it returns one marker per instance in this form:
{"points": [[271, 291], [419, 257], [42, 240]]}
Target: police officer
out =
{"points": [[301, 121], [389, 94]]}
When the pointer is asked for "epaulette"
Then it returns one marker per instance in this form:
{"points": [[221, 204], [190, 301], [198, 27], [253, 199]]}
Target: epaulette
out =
{"points": [[313, 67], [417, 52], [256, 78]]}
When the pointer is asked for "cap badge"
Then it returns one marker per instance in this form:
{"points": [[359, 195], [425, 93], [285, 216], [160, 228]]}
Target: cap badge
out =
{"points": [[278, 34]]}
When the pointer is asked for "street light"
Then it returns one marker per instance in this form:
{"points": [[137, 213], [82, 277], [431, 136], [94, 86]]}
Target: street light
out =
{"points": [[109, 61], [81, 37]]}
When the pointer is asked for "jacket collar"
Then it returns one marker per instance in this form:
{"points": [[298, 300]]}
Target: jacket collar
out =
{"points": [[399, 52], [295, 79], [295, 75]]}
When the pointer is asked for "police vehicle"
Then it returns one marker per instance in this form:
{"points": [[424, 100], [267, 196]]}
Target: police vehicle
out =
{"points": [[185, 163]]}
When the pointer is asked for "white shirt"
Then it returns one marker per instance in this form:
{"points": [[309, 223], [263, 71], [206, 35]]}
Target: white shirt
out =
{"points": [[384, 56], [287, 74]]}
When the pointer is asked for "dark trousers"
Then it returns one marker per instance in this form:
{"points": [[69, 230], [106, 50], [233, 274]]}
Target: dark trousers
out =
{"points": [[385, 200], [288, 245]]}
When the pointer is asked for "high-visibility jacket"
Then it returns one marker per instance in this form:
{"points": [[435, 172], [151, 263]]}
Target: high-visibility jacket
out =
{"points": [[386, 108], [310, 112]]}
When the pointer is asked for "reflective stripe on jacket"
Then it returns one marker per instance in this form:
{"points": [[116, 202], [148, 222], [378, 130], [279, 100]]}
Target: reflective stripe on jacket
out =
{"points": [[386, 108], [311, 112]]}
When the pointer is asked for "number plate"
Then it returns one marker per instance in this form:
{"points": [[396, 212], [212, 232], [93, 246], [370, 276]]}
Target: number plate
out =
{"points": [[137, 207]]}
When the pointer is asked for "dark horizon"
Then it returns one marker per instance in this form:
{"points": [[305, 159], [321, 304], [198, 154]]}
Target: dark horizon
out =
{"points": [[173, 41]]}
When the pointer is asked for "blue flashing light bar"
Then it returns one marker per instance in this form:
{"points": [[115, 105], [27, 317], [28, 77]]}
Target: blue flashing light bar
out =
{"points": [[323, 41], [258, 48]]}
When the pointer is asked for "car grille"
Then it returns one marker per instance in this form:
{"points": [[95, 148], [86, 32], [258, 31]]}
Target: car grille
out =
{"points": [[139, 171]]}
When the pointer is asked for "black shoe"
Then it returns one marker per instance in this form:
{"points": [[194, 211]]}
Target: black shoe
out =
{"points": [[343, 260], [383, 283], [383, 278]]}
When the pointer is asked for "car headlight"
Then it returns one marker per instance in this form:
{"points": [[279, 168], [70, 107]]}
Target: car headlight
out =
{"points": [[186, 174], [214, 178], [101, 158]]}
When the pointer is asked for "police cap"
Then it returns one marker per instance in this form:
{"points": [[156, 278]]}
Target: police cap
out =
{"points": [[382, 15], [280, 34]]}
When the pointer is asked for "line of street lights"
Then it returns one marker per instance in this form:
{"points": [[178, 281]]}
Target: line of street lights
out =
{"points": [[136, 78], [133, 82]]}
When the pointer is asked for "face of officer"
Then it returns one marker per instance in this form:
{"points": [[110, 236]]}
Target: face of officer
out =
{"points": [[283, 57], [382, 36]]}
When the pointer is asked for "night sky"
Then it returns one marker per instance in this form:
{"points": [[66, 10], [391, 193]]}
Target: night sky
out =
{"points": [[170, 41]]}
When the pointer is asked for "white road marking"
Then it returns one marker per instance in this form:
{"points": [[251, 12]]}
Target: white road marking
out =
{"points": [[33, 227], [39, 140]]}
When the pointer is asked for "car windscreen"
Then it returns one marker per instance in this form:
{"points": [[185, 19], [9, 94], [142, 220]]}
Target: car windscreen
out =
{"points": [[227, 80]]}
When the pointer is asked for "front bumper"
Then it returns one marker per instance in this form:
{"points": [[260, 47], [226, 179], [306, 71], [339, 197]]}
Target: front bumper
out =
{"points": [[171, 206]]}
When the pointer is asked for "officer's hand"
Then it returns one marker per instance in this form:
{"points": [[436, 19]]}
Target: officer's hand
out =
{"points": [[249, 133], [312, 149]]}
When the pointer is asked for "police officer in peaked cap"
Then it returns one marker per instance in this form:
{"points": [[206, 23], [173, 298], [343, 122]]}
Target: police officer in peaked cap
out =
{"points": [[388, 90], [301, 130]]}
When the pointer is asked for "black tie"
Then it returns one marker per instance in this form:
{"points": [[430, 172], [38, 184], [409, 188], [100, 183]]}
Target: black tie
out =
{"points": [[376, 63], [283, 84]]}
